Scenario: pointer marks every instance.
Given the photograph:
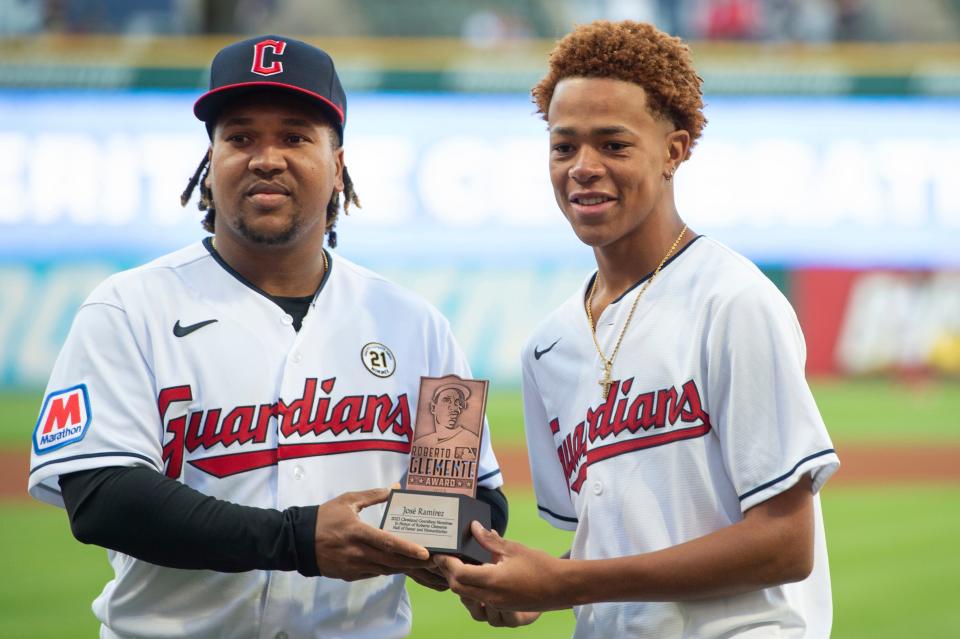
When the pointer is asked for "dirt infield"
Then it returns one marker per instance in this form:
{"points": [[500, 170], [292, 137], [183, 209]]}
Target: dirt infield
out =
{"points": [[860, 465]]}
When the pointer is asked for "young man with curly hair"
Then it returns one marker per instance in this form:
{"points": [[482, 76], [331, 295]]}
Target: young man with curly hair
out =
{"points": [[669, 423]]}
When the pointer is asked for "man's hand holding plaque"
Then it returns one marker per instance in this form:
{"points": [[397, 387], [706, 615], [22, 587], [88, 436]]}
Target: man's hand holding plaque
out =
{"points": [[438, 500]]}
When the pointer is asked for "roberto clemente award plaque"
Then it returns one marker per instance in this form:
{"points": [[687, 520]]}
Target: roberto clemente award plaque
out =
{"points": [[438, 500]]}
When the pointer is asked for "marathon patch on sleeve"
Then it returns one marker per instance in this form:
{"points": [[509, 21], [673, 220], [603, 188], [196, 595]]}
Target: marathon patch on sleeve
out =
{"points": [[63, 419]]}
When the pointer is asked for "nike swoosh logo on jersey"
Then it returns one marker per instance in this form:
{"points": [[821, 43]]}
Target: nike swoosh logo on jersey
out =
{"points": [[183, 331], [537, 353]]}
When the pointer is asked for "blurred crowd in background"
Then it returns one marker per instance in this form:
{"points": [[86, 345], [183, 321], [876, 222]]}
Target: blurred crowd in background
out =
{"points": [[745, 20]]}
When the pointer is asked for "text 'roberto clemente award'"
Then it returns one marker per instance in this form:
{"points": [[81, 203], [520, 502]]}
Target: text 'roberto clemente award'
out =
{"points": [[438, 500]]}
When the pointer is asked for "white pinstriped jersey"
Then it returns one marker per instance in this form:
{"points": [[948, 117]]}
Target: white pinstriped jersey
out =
{"points": [[242, 407], [709, 415]]}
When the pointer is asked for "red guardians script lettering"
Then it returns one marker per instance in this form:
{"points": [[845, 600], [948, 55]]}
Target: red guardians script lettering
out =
{"points": [[629, 423], [361, 421]]}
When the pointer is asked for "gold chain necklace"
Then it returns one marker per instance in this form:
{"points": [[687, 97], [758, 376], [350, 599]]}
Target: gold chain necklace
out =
{"points": [[606, 382]]}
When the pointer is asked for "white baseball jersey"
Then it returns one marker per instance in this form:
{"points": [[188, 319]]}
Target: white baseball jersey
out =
{"points": [[183, 366], [709, 415]]}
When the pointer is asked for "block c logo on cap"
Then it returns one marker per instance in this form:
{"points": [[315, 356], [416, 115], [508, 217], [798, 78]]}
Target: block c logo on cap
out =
{"points": [[260, 66], [63, 419]]}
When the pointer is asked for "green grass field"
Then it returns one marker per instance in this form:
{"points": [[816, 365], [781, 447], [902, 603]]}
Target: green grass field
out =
{"points": [[892, 550], [892, 555]]}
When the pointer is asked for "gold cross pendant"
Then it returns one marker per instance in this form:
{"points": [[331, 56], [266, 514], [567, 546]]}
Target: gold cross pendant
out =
{"points": [[606, 382]]}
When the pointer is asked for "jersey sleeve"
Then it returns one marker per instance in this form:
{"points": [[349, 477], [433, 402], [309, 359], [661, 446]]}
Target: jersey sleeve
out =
{"points": [[99, 408], [549, 482], [770, 429], [453, 361]]}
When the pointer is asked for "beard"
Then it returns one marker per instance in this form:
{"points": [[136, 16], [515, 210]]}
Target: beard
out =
{"points": [[274, 238]]}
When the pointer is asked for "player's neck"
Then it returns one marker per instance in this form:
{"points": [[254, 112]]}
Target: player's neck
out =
{"points": [[624, 263], [282, 271]]}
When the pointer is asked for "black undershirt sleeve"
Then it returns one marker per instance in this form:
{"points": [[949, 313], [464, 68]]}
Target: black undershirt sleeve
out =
{"points": [[144, 514], [499, 510], [139, 512]]}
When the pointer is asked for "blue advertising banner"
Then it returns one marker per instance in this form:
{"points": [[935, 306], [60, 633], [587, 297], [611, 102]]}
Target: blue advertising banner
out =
{"points": [[456, 197]]}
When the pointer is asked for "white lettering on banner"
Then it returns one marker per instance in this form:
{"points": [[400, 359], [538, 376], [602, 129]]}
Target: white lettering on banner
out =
{"points": [[80, 179], [525, 183], [716, 164], [459, 181], [794, 158], [895, 321], [468, 181], [945, 194], [13, 147], [63, 178], [168, 161], [121, 192], [906, 178], [849, 186], [386, 161], [471, 181], [89, 180], [903, 183]]}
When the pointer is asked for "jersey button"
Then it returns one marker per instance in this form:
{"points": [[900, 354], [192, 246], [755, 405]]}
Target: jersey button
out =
{"points": [[298, 472], [597, 487], [286, 320], [297, 358]]}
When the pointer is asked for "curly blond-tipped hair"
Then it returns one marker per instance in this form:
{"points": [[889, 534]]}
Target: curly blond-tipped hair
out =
{"points": [[633, 52]]}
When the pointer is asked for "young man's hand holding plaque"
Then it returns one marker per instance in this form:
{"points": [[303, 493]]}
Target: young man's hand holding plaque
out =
{"points": [[438, 500]]}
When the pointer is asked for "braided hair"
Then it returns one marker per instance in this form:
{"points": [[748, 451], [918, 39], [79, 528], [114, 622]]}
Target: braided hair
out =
{"points": [[206, 199]]}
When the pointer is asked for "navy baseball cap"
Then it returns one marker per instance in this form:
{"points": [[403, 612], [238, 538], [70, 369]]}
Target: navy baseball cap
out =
{"points": [[273, 63]]}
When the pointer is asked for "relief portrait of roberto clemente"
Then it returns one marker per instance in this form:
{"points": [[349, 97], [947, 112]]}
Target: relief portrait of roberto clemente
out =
{"points": [[448, 403]]}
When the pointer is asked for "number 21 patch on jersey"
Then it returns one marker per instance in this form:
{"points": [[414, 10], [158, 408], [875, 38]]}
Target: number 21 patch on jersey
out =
{"points": [[378, 359], [63, 419]]}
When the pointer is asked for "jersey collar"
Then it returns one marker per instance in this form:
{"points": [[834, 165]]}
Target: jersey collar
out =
{"points": [[643, 279], [208, 244]]}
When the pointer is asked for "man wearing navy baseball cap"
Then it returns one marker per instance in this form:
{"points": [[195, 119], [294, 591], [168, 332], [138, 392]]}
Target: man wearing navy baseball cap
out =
{"points": [[226, 419], [275, 66]]}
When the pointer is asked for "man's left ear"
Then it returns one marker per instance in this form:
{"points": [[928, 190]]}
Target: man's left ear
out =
{"points": [[338, 184], [678, 150]]}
